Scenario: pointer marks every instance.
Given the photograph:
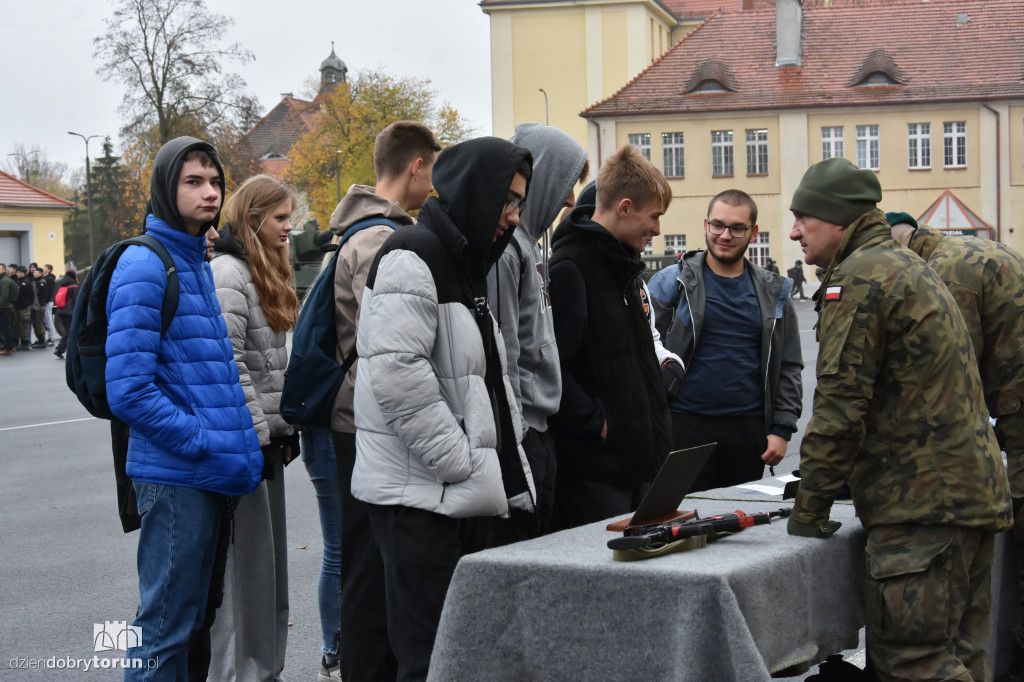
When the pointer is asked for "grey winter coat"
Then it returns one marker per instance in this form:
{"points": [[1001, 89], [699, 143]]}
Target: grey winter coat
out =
{"points": [[260, 352]]}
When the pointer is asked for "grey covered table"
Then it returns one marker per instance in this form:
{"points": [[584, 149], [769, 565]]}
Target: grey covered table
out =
{"points": [[560, 608]]}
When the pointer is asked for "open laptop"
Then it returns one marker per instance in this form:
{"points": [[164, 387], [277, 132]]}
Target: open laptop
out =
{"points": [[661, 503]]}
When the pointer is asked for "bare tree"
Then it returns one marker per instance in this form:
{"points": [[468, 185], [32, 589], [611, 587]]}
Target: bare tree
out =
{"points": [[32, 166], [168, 55]]}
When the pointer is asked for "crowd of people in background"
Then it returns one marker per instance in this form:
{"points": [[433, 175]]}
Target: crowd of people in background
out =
{"points": [[30, 307], [499, 389]]}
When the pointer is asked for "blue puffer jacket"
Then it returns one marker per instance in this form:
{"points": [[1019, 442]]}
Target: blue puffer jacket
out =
{"points": [[180, 393]]}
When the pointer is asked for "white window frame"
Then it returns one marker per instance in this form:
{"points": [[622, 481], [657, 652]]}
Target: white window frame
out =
{"points": [[954, 144], [867, 146], [721, 153], [672, 155], [676, 242], [832, 142], [642, 143], [758, 251], [757, 151], [919, 145]]}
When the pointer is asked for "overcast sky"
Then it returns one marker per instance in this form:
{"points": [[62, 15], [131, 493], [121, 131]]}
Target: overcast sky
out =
{"points": [[48, 81]]}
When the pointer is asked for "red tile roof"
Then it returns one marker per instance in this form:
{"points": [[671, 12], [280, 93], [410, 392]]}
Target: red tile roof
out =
{"points": [[932, 57], [282, 127], [15, 193]]}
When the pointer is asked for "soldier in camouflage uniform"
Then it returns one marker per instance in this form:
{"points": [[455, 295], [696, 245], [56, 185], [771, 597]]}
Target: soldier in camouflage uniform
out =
{"points": [[899, 415], [987, 280]]}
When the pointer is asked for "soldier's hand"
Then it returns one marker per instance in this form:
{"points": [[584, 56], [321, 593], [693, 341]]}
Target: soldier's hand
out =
{"points": [[825, 529]]}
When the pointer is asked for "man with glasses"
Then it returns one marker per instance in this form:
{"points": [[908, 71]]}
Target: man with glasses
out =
{"points": [[734, 327]]}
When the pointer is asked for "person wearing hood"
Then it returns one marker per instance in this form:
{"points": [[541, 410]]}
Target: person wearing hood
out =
{"points": [[612, 430], [192, 444], [517, 289], [403, 159], [253, 276], [438, 428]]}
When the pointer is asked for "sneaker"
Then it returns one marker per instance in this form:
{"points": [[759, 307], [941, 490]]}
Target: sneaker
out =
{"points": [[9, 351], [49, 342], [330, 673], [39, 344], [60, 356]]}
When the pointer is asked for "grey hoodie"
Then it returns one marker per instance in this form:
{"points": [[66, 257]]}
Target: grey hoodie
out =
{"points": [[516, 287]]}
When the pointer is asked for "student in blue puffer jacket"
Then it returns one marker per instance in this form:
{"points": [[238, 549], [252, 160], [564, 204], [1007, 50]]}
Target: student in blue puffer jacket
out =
{"points": [[192, 445]]}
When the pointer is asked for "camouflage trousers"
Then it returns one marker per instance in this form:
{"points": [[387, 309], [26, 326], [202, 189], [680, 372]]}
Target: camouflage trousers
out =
{"points": [[928, 601], [1010, 432]]}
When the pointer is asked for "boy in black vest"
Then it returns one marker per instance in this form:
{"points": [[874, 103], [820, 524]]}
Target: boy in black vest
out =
{"points": [[612, 430]]}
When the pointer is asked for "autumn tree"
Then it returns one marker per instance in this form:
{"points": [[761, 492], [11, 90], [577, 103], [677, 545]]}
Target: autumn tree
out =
{"points": [[339, 151], [168, 56]]}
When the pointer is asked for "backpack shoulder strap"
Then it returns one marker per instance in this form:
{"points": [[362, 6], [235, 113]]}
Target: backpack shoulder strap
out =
{"points": [[170, 304], [365, 223]]}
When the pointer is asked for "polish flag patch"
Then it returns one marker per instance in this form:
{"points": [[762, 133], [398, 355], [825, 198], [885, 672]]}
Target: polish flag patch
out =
{"points": [[833, 293]]}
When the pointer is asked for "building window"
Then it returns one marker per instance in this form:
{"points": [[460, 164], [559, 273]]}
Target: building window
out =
{"points": [[672, 154], [954, 144], [642, 142], [721, 152], [676, 243], [649, 249], [919, 145], [831, 142], [867, 147], [757, 252], [757, 152]]}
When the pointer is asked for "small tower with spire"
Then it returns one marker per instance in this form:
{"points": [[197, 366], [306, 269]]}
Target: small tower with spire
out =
{"points": [[332, 72]]}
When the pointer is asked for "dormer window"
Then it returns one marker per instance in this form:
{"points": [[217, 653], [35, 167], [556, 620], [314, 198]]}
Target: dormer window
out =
{"points": [[878, 78], [272, 156], [710, 86]]}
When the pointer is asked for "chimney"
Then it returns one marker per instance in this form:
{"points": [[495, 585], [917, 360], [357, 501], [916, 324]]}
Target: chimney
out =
{"points": [[789, 22]]}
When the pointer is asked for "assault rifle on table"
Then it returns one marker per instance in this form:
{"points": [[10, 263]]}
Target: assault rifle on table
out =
{"points": [[641, 537]]}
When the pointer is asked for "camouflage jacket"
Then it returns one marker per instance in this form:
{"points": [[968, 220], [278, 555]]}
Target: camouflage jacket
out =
{"points": [[898, 409], [987, 280]]}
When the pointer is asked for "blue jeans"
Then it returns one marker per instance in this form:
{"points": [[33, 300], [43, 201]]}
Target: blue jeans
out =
{"points": [[318, 456], [177, 544]]}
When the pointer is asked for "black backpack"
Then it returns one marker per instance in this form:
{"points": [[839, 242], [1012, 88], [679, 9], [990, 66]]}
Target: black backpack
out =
{"points": [[86, 362], [313, 377]]}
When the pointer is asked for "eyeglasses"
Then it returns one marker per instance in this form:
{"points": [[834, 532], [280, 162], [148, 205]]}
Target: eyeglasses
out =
{"points": [[514, 203], [738, 231]]}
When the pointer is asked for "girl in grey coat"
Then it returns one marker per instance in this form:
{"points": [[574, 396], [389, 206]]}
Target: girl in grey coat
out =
{"points": [[253, 277]]}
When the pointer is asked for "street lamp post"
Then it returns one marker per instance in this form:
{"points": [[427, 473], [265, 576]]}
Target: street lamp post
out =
{"points": [[545, 105], [27, 163], [88, 194]]}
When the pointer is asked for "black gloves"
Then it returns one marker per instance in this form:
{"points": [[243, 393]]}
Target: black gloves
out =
{"points": [[672, 374]]}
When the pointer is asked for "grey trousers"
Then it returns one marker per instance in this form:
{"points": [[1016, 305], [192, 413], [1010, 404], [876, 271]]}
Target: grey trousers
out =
{"points": [[250, 632]]}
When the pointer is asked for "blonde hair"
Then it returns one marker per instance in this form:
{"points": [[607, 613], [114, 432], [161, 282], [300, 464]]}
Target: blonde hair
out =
{"points": [[246, 210], [626, 174]]}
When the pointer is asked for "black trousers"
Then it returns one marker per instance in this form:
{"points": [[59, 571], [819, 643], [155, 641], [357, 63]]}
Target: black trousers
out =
{"points": [[420, 550], [579, 502], [363, 645], [736, 459], [7, 335]]}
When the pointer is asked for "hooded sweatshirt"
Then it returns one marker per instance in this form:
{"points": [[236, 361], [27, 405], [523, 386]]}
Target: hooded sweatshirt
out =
{"points": [[517, 285], [179, 392], [610, 368], [354, 263], [437, 423]]}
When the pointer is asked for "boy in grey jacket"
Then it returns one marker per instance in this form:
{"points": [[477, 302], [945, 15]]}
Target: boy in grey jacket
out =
{"points": [[517, 288]]}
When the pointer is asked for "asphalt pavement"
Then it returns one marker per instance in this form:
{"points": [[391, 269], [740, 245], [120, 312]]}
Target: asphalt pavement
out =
{"points": [[67, 569]]}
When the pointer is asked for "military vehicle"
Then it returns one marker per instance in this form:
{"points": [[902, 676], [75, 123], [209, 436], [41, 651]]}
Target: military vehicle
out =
{"points": [[305, 255]]}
